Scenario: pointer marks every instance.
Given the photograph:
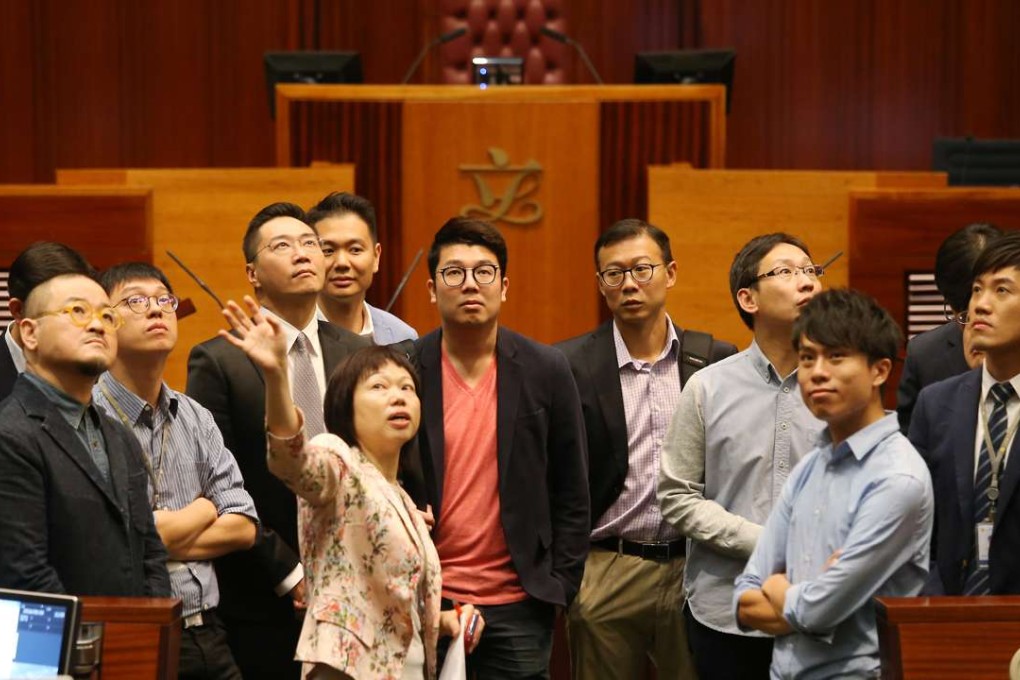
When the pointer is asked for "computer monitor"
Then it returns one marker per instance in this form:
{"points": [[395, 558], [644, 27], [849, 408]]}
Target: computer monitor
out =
{"points": [[978, 162], [37, 633], [488, 71], [311, 68], [687, 67]]}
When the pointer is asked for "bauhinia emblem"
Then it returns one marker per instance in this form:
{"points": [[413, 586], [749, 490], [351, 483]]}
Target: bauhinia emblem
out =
{"points": [[516, 203]]}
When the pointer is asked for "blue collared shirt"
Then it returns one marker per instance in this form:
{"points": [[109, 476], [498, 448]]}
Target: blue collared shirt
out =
{"points": [[871, 497], [195, 463]]}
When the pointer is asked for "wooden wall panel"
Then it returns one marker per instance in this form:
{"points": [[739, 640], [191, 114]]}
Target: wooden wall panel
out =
{"points": [[846, 84]]}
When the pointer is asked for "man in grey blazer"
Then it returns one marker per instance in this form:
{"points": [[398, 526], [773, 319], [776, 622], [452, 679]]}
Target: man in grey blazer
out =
{"points": [[350, 244], [286, 270]]}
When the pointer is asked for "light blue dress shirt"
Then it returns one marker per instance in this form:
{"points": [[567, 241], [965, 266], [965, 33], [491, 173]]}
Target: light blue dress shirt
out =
{"points": [[871, 497], [195, 463]]}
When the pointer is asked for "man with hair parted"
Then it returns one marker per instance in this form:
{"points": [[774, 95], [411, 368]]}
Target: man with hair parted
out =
{"points": [[284, 265], [503, 453], [629, 373], [35, 265], [740, 428], [965, 429], [196, 492], [854, 519], [943, 352], [350, 243], [74, 508]]}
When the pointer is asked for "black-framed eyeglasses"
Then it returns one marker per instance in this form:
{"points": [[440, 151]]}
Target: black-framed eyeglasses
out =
{"points": [[786, 272], [82, 313], [641, 273], [455, 276], [139, 304], [286, 247]]}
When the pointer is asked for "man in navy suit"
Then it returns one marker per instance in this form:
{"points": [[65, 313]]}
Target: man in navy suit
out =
{"points": [[503, 452], [33, 266], [940, 353], [350, 244], [965, 429]]}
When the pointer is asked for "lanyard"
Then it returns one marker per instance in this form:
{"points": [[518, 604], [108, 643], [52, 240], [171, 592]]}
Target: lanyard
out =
{"points": [[155, 475], [995, 456]]}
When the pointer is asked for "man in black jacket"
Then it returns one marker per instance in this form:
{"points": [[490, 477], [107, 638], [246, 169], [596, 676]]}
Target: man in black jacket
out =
{"points": [[629, 372]]}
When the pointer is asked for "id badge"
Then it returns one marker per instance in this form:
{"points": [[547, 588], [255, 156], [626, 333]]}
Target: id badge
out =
{"points": [[984, 541]]}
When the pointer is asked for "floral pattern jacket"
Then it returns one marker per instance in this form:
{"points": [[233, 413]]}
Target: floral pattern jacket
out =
{"points": [[363, 563]]}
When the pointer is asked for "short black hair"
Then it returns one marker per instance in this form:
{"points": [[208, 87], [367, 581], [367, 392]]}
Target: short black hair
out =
{"points": [[467, 231], [632, 228], [850, 319], [340, 203], [42, 261], [338, 408], [954, 261], [132, 271], [744, 270], [999, 254], [270, 212]]}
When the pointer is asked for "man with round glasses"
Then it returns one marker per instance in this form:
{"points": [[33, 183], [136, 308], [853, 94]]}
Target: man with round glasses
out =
{"points": [[196, 492], [35, 265], [260, 587], [740, 428], [503, 452], [629, 372], [74, 511]]}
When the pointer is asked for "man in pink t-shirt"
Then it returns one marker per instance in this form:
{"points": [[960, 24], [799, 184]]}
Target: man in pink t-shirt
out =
{"points": [[504, 457]]}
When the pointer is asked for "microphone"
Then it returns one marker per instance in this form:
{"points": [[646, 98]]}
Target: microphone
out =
{"points": [[561, 37], [441, 40], [403, 281]]}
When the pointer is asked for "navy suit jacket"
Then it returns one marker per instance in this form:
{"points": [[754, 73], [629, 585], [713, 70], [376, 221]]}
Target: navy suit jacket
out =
{"points": [[592, 358], [542, 460], [942, 429], [63, 528], [224, 380], [931, 356]]}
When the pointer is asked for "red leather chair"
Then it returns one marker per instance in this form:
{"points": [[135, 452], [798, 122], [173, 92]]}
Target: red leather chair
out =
{"points": [[503, 28]]}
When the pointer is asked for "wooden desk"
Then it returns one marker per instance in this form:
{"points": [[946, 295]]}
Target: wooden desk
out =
{"points": [[935, 638], [141, 636]]}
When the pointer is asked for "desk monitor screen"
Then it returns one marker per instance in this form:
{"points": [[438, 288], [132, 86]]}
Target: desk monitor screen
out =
{"points": [[37, 633], [687, 67], [313, 68]]}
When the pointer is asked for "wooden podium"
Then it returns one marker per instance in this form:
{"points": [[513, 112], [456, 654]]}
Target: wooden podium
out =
{"points": [[551, 166], [930, 638], [141, 636]]}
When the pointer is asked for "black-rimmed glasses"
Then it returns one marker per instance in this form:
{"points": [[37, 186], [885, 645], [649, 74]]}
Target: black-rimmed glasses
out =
{"points": [[139, 304], [641, 273], [455, 276]]}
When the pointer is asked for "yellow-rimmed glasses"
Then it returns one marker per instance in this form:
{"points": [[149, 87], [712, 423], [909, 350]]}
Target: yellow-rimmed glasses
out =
{"points": [[81, 315]]}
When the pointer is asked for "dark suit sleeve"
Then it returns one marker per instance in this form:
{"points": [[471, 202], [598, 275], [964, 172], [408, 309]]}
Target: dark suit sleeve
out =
{"points": [[568, 480], [920, 437], [24, 537], [208, 385], [157, 579], [906, 392]]}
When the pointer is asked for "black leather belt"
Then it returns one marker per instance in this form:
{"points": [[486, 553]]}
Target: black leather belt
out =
{"points": [[659, 552]]}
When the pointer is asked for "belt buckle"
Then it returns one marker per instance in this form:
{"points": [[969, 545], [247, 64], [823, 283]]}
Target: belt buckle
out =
{"points": [[193, 620], [658, 552]]}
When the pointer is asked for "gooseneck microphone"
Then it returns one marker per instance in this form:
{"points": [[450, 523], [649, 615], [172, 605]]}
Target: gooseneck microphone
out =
{"points": [[441, 40], [561, 37]]}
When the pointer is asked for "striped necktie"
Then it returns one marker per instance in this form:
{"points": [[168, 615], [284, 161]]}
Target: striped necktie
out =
{"points": [[305, 388], [998, 422]]}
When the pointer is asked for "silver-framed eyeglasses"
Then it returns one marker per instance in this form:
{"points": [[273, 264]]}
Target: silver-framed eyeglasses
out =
{"points": [[81, 314], [785, 272], [641, 273], [455, 276], [139, 304], [286, 247]]}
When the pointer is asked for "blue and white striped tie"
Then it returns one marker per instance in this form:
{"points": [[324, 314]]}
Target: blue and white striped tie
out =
{"points": [[977, 578]]}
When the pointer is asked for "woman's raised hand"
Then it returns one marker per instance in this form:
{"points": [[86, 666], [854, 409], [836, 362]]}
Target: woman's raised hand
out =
{"points": [[259, 336]]}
